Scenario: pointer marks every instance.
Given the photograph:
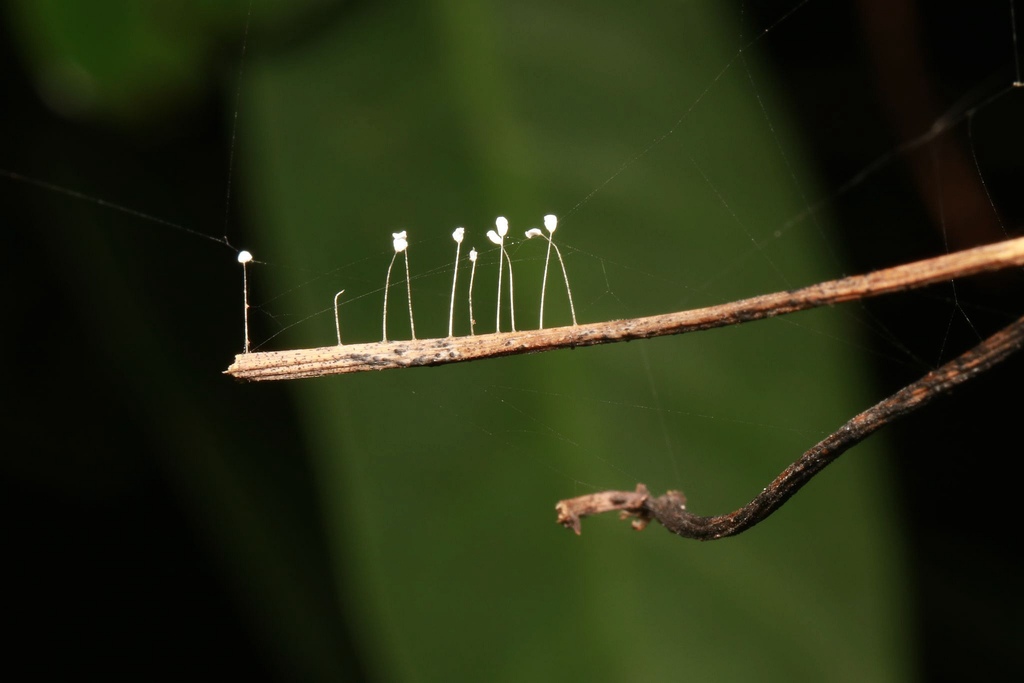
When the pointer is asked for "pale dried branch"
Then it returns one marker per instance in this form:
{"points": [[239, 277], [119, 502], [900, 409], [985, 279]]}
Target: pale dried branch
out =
{"points": [[329, 360]]}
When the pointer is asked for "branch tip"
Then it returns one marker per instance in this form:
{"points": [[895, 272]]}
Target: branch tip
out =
{"points": [[629, 503]]}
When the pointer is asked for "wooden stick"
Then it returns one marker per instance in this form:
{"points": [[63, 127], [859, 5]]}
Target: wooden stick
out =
{"points": [[330, 360], [670, 509]]}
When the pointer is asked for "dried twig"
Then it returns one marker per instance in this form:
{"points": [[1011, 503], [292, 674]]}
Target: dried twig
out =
{"points": [[328, 360], [670, 509]]}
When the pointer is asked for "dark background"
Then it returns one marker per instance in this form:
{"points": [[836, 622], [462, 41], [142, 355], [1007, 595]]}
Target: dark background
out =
{"points": [[114, 569]]}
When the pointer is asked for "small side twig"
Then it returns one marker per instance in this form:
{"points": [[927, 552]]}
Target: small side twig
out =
{"points": [[670, 509]]}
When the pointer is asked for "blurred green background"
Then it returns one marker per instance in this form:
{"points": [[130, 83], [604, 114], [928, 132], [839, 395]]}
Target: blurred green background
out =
{"points": [[400, 526]]}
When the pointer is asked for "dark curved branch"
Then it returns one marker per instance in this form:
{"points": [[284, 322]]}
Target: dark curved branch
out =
{"points": [[670, 509]]}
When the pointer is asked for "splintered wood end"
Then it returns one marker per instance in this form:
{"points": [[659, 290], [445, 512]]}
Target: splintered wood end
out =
{"points": [[630, 503]]}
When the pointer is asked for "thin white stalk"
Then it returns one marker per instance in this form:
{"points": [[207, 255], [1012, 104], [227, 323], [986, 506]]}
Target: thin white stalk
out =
{"points": [[408, 292], [501, 270], [568, 291], [497, 237], [401, 243], [472, 276], [511, 292], [457, 236], [244, 258], [544, 283], [550, 224], [536, 232], [387, 286], [337, 316]]}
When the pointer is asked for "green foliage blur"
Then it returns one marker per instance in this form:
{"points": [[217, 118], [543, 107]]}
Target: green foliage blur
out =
{"points": [[400, 526]]}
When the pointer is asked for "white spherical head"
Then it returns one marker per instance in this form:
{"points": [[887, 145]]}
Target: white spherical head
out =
{"points": [[400, 241], [244, 256], [458, 234], [550, 222], [502, 224], [472, 255], [493, 236], [533, 232]]}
